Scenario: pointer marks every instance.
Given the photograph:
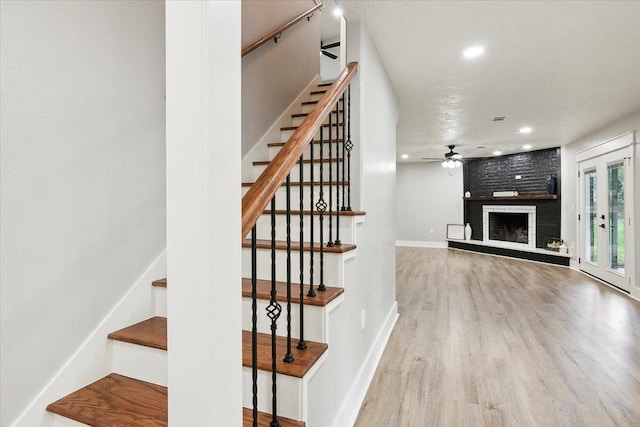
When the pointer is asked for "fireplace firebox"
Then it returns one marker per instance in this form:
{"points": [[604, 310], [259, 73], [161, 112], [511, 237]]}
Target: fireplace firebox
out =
{"points": [[509, 227]]}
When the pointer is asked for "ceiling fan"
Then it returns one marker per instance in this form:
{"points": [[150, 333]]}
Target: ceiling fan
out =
{"points": [[324, 47], [452, 159]]}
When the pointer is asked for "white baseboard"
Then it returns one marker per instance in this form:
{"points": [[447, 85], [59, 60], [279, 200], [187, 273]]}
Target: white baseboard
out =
{"points": [[93, 359], [353, 401], [421, 244]]}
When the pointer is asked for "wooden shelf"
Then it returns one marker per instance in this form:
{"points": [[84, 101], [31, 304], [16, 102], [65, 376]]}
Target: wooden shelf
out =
{"points": [[520, 197]]}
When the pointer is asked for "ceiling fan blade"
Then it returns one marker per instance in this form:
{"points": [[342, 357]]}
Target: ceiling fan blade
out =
{"points": [[330, 55], [330, 45]]}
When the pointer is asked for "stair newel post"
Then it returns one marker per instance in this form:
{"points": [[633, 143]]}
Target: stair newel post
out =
{"points": [[348, 145], [254, 326], [338, 183], [273, 312], [312, 292], [330, 242], [301, 343], [321, 206], [288, 358]]}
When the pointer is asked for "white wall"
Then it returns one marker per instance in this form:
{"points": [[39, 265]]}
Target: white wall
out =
{"points": [[275, 73], [82, 175], [370, 277], [428, 197], [570, 177], [203, 239]]}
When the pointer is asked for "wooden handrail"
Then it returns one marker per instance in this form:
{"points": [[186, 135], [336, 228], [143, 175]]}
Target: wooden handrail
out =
{"points": [[262, 191], [281, 29]]}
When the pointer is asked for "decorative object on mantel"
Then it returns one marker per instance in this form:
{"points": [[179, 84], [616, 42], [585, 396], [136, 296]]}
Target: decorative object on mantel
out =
{"points": [[518, 197], [467, 194], [455, 231], [467, 232], [505, 193], [552, 182], [554, 244]]}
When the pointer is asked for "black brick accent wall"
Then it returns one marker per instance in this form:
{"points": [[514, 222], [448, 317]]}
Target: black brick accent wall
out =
{"points": [[484, 176]]}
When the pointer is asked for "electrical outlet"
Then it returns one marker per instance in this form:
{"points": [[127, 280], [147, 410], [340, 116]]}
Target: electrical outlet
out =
{"points": [[518, 176], [431, 231], [363, 319]]}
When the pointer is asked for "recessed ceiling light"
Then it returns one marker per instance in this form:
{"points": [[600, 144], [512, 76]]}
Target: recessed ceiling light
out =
{"points": [[337, 11], [527, 146], [497, 153], [405, 156], [525, 129], [473, 51]]}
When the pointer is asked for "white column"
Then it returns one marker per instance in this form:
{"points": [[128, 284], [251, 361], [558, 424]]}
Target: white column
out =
{"points": [[203, 212]]}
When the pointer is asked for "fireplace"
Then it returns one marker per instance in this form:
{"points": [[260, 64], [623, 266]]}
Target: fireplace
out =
{"points": [[511, 226]]}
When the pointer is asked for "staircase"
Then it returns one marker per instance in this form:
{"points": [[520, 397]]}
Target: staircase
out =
{"points": [[135, 394]]}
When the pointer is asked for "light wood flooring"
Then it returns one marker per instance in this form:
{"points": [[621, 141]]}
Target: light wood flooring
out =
{"points": [[491, 341]]}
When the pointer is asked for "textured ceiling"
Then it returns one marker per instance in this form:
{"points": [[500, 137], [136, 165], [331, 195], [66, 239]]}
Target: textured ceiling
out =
{"points": [[562, 68]]}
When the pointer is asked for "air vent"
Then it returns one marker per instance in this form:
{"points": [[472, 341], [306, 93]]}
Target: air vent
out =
{"points": [[498, 119]]}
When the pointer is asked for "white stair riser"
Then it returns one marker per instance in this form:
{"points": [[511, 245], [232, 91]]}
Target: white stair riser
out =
{"points": [[296, 121], [140, 362], [347, 228], [150, 365], [160, 301], [336, 132], [333, 266], [307, 108], [336, 169], [281, 196], [60, 421], [290, 393], [316, 151], [314, 319]]}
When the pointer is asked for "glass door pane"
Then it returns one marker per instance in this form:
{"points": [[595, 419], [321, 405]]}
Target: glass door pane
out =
{"points": [[615, 174], [591, 217]]}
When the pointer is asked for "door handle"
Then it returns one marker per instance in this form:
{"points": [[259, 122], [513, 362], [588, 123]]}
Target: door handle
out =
{"points": [[601, 216], [602, 226]]}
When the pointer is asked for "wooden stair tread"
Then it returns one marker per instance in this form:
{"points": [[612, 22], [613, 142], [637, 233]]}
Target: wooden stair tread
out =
{"points": [[115, 400], [263, 290], [297, 212], [305, 183], [325, 84], [315, 141], [315, 102], [160, 283], [326, 125], [304, 359], [264, 420], [151, 333], [305, 161], [295, 246], [318, 92], [306, 114]]}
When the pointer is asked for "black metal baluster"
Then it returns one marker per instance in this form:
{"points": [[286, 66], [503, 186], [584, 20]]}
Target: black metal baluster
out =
{"points": [[344, 125], [312, 292], [330, 242], [348, 146], [321, 206], [301, 343], [288, 358], [338, 242], [273, 312], [254, 326]]}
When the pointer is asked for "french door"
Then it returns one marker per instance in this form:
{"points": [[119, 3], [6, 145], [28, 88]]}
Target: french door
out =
{"points": [[606, 203]]}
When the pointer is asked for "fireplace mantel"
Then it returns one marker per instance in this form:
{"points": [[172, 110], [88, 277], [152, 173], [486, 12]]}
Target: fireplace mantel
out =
{"points": [[522, 197]]}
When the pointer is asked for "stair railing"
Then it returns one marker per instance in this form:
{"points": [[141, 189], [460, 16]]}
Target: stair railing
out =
{"points": [[277, 33], [263, 193]]}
